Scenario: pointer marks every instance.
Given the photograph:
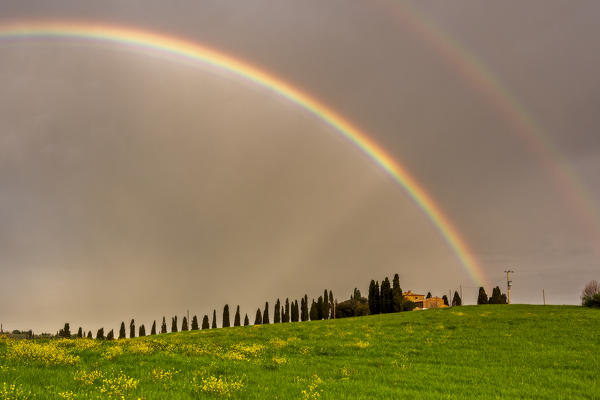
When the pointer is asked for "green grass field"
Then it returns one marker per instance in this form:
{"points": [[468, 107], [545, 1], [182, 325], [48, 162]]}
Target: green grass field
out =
{"points": [[472, 352]]}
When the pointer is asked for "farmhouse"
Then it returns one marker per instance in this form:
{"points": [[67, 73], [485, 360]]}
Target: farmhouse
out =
{"points": [[422, 302], [415, 298]]}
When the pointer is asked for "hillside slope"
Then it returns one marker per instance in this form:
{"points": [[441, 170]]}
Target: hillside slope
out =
{"points": [[472, 352]]}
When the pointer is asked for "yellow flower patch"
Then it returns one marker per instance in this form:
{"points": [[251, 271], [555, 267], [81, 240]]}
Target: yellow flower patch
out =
{"points": [[218, 385], [13, 392], [49, 353]]}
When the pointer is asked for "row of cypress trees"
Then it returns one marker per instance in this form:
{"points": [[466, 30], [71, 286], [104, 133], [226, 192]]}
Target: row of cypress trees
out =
{"points": [[384, 298], [322, 308]]}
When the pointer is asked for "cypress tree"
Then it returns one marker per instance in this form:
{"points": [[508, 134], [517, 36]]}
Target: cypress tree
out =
{"points": [[265, 316], [387, 301], [497, 296], [80, 333], [295, 312], [371, 298], [122, 332], [205, 324], [331, 305], [325, 311], [174, 324], [314, 314], [142, 331], [258, 319], [377, 298], [482, 298], [246, 320], [445, 298], [214, 321], [456, 300], [132, 329], [184, 324], [282, 313], [110, 335], [226, 316], [66, 331], [277, 313], [320, 308], [305, 313], [153, 330], [397, 294], [100, 334], [195, 323], [236, 319], [163, 327], [286, 315], [89, 335], [428, 295]]}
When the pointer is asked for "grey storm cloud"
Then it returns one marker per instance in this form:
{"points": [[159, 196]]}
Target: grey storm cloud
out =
{"points": [[139, 185]]}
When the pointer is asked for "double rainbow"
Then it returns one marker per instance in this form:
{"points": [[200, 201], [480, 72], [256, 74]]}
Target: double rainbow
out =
{"points": [[181, 48]]}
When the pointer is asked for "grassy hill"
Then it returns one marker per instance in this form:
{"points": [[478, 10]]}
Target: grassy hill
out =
{"points": [[472, 352]]}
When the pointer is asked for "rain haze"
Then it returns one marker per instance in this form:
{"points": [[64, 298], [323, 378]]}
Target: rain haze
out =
{"points": [[135, 183]]}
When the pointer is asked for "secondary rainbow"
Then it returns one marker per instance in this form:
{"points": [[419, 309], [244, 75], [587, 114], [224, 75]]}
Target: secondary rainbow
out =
{"points": [[476, 73], [194, 51]]}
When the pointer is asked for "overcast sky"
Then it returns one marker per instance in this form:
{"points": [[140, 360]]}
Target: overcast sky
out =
{"points": [[139, 185]]}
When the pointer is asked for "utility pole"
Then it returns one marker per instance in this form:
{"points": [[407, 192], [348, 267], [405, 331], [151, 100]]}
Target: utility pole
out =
{"points": [[508, 283]]}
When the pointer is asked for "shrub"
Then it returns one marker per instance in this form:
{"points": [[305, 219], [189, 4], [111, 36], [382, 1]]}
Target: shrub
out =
{"points": [[590, 297]]}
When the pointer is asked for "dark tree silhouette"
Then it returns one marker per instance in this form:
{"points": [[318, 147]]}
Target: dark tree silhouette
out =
{"points": [[89, 335], [258, 318], [122, 331], [325, 306], [277, 312], [142, 331], [195, 323], [314, 313], [205, 324], [80, 333], [163, 327], [153, 330], [445, 298], [304, 314], [100, 334], [66, 331], [226, 323], [397, 296], [320, 308], [214, 321], [286, 314], [331, 305], [236, 319], [132, 329], [456, 300], [387, 300], [246, 320], [295, 311], [184, 324], [265, 316], [377, 294], [482, 298], [174, 324], [111, 335], [428, 295]]}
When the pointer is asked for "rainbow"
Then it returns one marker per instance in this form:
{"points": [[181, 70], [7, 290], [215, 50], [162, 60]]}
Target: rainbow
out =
{"points": [[177, 47], [483, 80]]}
